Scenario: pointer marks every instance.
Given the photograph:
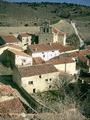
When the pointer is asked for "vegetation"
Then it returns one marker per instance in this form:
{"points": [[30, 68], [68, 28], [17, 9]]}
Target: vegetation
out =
{"points": [[67, 97], [73, 40], [30, 13]]}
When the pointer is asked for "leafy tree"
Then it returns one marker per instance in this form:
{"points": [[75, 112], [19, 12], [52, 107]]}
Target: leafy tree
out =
{"points": [[64, 14], [73, 40]]}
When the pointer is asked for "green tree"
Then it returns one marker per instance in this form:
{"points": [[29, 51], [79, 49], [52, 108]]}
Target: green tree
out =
{"points": [[73, 40]]}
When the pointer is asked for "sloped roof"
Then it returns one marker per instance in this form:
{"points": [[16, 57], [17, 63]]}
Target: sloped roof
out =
{"points": [[24, 34], [6, 89], [60, 60], [36, 70], [64, 26], [50, 47], [38, 60], [12, 106], [20, 53], [9, 39], [78, 53]]}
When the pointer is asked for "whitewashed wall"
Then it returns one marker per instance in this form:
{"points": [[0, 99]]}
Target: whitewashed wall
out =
{"points": [[39, 84], [21, 60], [68, 68], [47, 55]]}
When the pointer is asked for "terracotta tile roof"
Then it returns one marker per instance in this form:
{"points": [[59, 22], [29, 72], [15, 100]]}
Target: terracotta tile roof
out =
{"points": [[15, 47], [12, 106], [20, 53], [24, 34], [38, 60], [83, 59], [60, 60], [12, 46], [63, 48], [69, 57], [40, 47], [58, 32], [50, 47], [9, 39], [5, 89], [78, 53], [36, 70]]}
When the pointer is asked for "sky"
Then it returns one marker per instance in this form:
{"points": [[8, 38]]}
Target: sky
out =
{"points": [[82, 2]]}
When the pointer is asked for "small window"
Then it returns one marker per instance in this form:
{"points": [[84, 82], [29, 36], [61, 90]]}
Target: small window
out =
{"points": [[30, 82], [50, 86], [34, 90], [42, 52], [39, 76], [50, 79], [25, 44], [24, 60], [43, 55], [44, 30], [46, 80]]}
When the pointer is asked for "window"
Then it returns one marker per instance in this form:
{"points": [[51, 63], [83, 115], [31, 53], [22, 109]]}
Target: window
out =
{"points": [[46, 80], [30, 82], [44, 30], [39, 76], [47, 30], [24, 60], [50, 86], [43, 55], [50, 79], [34, 90]]}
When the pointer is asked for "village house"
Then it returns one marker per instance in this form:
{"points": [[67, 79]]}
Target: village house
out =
{"points": [[10, 46], [35, 78], [65, 64], [9, 39], [25, 39], [61, 30], [15, 57], [50, 50], [21, 58], [73, 62]]}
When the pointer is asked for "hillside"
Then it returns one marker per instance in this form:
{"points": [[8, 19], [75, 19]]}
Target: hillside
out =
{"points": [[35, 13]]}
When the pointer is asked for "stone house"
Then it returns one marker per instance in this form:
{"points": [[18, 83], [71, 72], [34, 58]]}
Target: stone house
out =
{"points": [[65, 64], [50, 50], [61, 30], [15, 57], [25, 39], [35, 78]]}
